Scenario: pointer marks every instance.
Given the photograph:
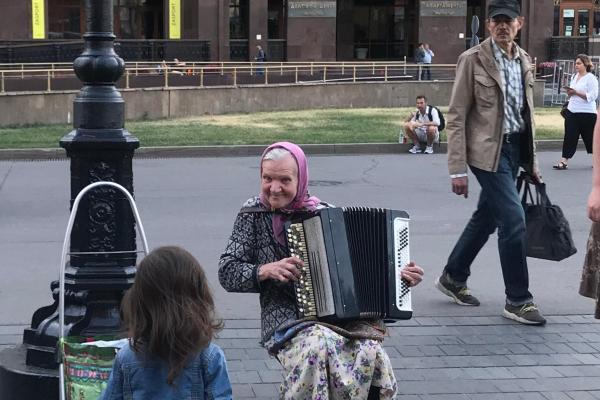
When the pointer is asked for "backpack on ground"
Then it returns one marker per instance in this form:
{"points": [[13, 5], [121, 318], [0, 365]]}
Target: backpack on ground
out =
{"points": [[442, 124]]}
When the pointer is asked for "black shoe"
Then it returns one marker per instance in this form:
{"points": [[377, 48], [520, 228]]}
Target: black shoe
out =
{"points": [[525, 314], [460, 294]]}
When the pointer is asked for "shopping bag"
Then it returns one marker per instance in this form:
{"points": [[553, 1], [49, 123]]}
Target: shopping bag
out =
{"points": [[87, 365], [548, 232]]}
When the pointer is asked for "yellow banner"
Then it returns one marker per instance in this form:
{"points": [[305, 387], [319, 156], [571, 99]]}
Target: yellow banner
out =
{"points": [[174, 19], [38, 19]]}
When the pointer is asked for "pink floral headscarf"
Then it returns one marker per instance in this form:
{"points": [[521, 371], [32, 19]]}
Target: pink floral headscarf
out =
{"points": [[302, 201]]}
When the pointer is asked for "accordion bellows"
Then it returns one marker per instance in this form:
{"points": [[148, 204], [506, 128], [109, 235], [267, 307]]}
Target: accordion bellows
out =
{"points": [[352, 260]]}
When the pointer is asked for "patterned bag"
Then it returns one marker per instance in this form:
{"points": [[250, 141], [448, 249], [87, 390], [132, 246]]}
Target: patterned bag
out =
{"points": [[87, 365]]}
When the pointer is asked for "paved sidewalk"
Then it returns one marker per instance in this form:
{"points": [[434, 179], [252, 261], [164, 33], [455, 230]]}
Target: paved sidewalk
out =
{"points": [[446, 352], [455, 358], [444, 358]]}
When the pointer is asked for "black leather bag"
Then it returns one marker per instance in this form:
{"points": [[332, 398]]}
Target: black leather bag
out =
{"points": [[564, 109], [548, 233]]}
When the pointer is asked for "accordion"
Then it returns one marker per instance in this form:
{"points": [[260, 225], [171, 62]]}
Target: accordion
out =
{"points": [[352, 260]]}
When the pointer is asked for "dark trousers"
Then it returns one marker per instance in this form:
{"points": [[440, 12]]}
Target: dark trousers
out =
{"points": [[499, 207], [426, 72], [578, 124]]}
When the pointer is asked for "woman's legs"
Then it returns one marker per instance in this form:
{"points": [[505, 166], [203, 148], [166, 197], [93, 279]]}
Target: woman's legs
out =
{"points": [[577, 124], [321, 364], [571, 137]]}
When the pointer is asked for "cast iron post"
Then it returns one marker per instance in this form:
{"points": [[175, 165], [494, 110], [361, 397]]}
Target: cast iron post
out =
{"points": [[98, 273]]}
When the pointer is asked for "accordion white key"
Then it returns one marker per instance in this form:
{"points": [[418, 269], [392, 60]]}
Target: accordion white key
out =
{"points": [[352, 261]]}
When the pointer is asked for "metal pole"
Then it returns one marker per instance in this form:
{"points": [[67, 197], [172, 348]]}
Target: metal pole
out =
{"points": [[100, 149]]}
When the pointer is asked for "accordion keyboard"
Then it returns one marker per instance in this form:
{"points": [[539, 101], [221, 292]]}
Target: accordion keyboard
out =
{"points": [[305, 296], [402, 255]]}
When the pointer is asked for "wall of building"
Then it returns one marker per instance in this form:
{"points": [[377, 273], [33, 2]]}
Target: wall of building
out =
{"points": [[311, 39], [49, 108], [443, 27], [15, 20], [539, 17], [208, 22]]}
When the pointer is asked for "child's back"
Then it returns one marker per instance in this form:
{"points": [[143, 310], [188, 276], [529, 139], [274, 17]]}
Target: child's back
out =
{"points": [[133, 377], [169, 317]]}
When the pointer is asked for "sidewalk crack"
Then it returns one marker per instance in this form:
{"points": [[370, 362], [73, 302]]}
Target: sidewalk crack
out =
{"points": [[5, 177]]}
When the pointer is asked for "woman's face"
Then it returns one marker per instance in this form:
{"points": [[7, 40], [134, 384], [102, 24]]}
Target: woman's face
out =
{"points": [[580, 66], [279, 181]]}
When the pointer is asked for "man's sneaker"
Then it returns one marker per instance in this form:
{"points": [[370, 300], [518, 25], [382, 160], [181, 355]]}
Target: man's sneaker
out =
{"points": [[525, 314], [428, 150], [460, 294], [415, 150]]}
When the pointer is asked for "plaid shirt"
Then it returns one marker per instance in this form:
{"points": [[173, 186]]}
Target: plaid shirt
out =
{"points": [[510, 70]]}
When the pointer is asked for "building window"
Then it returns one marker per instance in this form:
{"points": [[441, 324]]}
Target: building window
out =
{"points": [[139, 19], [556, 30], [379, 29], [596, 23], [64, 19], [238, 19], [583, 18], [568, 21], [276, 20]]}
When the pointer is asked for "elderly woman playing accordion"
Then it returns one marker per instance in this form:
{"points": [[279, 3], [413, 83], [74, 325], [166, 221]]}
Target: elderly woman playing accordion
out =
{"points": [[320, 360]]}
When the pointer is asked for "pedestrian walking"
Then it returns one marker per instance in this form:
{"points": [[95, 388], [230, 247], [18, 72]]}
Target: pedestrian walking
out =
{"points": [[260, 59], [491, 132], [581, 113]]}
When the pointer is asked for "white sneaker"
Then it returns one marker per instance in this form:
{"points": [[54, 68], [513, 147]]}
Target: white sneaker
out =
{"points": [[428, 150], [415, 150]]}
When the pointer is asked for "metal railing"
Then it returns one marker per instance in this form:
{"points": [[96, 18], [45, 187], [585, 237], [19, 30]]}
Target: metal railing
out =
{"points": [[60, 76]]}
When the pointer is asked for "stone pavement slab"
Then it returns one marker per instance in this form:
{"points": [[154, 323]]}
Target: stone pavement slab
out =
{"points": [[511, 361]]}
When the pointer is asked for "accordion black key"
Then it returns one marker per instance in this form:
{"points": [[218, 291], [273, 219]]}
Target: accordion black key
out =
{"points": [[352, 260]]}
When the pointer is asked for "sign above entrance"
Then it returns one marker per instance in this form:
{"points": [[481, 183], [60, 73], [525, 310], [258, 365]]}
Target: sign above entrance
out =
{"points": [[434, 8], [311, 9]]}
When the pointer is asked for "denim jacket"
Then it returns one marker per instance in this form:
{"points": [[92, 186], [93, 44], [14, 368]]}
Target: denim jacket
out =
{"points": [[133, 378]]}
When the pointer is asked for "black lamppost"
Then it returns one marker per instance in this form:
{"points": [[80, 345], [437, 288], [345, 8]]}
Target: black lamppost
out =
{"points": [[98, 272]]}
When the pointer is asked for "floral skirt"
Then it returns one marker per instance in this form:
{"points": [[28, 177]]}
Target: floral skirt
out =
{"points": [[320, 364]]}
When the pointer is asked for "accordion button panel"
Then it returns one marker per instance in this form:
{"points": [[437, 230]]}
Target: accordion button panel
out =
{"points": [[402, 254], [304, 293]]}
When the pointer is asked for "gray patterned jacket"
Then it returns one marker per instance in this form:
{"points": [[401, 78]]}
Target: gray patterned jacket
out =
{"points": [[251, 245]]}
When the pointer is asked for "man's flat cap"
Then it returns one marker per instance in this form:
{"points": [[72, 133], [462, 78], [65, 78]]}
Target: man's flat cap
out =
{"points": [[510, 8]]}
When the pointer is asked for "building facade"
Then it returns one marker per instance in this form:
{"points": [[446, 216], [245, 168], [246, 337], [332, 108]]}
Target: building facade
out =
{"points": [[577, 18], [289, 30]]}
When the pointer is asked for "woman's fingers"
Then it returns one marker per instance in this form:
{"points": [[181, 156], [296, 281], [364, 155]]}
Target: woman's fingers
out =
{"points": [[412, 273]]}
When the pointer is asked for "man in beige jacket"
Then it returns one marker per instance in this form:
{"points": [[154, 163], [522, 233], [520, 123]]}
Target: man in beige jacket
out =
{"points": [[490, 130]]}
